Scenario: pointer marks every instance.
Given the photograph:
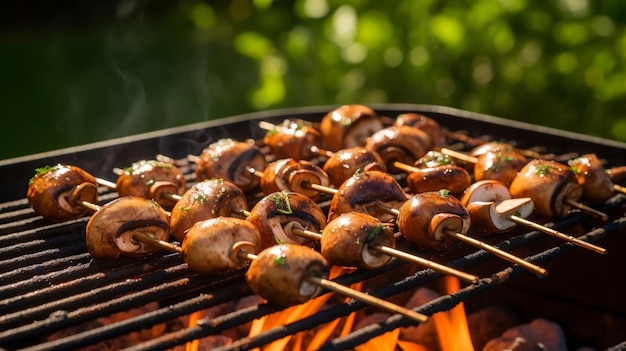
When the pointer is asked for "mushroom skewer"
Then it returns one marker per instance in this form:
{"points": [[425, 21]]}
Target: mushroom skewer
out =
{"points": [[283, 264], [434, 219], [263, 215], [491, 206], [541, 166]]}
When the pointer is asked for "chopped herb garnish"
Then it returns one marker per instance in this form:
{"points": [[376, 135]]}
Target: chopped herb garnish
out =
{"points": [[281, 200], [185, 209], [200, 198], [543, 170], [374, 232], [444, 193], [42, 170], [280, 260]]}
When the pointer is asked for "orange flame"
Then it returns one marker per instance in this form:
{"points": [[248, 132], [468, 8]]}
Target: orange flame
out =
{"points": [[452, 328], [297, 312], [194, 345]]}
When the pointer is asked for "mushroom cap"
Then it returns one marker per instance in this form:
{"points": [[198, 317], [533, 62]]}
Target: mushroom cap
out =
{"points": [[425, 218], [349, 126], [279, 274], [342, 164], [54, 191], [211, 246], [277, 214], [230, 159], [110, 230], [145, 178], [204, 200], [347, 241]]}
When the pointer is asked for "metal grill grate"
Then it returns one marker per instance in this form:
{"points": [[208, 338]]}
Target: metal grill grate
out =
{"points": [[48, 282]]}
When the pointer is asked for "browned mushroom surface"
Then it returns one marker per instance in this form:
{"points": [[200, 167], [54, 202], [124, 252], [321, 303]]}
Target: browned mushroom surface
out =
{"points": [[230, 159], [207, 199], [591, 174], [279, 274], [426, 124], [110, 231], [291, 175], [212, 245], [399, 143], [342, 164], [348, 239], [349, 126], [54, 192], [451, 177], [501, 164], [278, 214], [549, 184], [141, 179], [293, 139], [365, 192], [425, 218]]}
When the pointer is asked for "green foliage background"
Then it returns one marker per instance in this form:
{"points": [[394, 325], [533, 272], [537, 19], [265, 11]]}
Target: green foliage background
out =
{"points": [[79, 72]]}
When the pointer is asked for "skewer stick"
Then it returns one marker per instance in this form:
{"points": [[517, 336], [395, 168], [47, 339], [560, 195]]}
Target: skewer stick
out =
{"points": [[484, 246], [355, 294], [317, 187], [619, 188], [599, 215], [550, 231], [401, 255]]}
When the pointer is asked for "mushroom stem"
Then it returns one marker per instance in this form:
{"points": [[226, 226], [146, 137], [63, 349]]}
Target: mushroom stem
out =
{"points": [[555, 233], [390, 251], [595, 213], [355, 294], [497, 252]]}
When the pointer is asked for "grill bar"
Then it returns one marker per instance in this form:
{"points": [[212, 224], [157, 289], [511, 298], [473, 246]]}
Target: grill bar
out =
{"points": [[46, 273]]}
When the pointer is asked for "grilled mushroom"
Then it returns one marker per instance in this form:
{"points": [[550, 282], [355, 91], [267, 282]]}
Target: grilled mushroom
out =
{"points": [[293, 139], [207, 199], [212, 245], [346, 241], [425, 218], [426, 124], [348, 126], [230, 159], [55, 191], [342, 164], [551, 185], [451, 177], [499, 164], [591, 174], [111, 229], [279, 274], [291, 175], [277, 214], [365, 192], [399, 143], [147, 178]]}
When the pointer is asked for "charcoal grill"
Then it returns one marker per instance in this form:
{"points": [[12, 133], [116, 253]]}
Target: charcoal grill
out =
{"points": [[48, 282]]}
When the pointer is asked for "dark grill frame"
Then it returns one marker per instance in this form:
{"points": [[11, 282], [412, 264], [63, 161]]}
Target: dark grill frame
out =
{"points": [[47, 261]]}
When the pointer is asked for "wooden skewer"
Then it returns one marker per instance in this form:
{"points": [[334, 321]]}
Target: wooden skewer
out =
{"points": [[113, 186], [481, 245], [401, 255], [355, 294], [532, 225], [619, 188]]}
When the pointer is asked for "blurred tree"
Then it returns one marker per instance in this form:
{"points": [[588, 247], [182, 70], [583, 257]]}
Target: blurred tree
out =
{"points": [[85, 72]]}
